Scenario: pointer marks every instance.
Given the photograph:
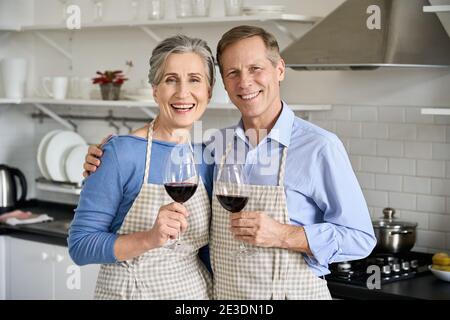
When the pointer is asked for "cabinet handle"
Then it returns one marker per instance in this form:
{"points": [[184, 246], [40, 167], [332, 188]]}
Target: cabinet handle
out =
{"points": [[59, 258], [44, 256]]}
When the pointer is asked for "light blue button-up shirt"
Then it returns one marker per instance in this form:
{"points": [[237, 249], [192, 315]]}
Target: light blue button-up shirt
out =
{"points": [[322, 192]]}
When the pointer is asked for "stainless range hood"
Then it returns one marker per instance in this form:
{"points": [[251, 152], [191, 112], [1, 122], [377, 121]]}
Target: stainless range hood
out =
{"points": [[408, 37]]}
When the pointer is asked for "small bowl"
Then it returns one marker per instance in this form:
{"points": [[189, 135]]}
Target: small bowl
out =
{"points": [[443, 275]]}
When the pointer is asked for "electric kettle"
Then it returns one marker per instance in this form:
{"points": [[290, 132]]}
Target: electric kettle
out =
{"points": [[8, 188]]}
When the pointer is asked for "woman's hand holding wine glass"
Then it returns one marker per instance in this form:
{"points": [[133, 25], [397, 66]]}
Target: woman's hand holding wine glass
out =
{"points": [[171, 220]]}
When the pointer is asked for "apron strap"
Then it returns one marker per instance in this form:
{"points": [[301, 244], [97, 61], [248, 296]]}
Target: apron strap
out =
{"points": [[224, 157], [149, 150], [282, 170]]}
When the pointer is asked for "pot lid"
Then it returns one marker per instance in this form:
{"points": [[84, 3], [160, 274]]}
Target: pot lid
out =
{"points": [[389, 221]]}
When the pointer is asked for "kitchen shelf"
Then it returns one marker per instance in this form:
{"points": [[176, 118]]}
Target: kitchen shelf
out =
{"points": [[444, 8], [435, 111], [180, 22], [10, 101], [140, 104], [9, 28]]}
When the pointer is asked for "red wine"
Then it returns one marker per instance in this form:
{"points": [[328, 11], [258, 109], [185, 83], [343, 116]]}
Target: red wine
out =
{"points": [[232, 203], [180, 192]]}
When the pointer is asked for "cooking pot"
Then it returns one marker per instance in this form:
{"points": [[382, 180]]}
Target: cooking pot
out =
{"points": [[394, 236]]}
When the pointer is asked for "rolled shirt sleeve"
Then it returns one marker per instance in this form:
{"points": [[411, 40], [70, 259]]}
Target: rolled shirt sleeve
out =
{"points": [[90, 237], [346, 232]]}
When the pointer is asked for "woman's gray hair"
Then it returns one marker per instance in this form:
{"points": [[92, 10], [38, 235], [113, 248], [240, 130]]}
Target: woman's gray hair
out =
{"points": [[180, 44]]}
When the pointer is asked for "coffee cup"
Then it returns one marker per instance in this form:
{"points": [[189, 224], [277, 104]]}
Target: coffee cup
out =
{"points": [[58, 85]]}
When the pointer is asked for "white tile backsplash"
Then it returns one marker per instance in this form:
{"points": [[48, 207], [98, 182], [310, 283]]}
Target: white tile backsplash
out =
{"points": [[374, 164], [431, 133], [440, 222], [441, 151], [431, 168], [363, 147], [389, 148], [417, 185], [413, 115], [431, 239], [364, 113], [440, 187], [418, 150], [402, 200], [374, 130], [388, 182], [447, 169], [431, 203], [391, 114], [414, 216], [402, 166], [349, 129], [410, 168], [406, 132]]}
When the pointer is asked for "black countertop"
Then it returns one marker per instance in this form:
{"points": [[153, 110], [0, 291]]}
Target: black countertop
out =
{"points": [[425, 286], [47, 232]]}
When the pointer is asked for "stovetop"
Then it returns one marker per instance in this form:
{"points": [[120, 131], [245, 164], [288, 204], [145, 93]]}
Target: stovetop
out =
{"points": [[389, 267]]}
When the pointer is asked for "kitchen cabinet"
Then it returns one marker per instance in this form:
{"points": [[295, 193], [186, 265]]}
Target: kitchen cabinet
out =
{"points": [[41, 271], [2, 268]]}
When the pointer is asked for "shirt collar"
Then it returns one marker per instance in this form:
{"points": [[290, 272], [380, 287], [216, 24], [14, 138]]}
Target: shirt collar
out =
{"points": [[281, 131]]}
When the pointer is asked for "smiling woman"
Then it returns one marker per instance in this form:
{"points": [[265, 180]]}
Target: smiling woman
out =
{"points": [[124, 217]]}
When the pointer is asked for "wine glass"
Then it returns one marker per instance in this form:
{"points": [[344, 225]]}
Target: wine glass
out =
{"points": [[64, 4], [98, 10], [135, 9], [180, 180], [232, 193]]}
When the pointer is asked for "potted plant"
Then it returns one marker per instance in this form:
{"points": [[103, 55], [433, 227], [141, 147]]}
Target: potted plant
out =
{"points": [[110, 83]]}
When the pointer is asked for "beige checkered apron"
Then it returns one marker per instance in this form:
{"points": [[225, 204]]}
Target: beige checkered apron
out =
{"points": [[160, 273], [272, 273]]}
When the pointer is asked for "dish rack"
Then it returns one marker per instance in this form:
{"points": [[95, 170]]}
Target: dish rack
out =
{"points": [[58, 186]]}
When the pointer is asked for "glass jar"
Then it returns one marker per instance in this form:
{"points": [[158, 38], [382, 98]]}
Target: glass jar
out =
{"points": [[183, 8]]}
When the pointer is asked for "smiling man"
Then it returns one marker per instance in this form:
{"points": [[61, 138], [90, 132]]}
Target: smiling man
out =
{"points": [[305, 209]]}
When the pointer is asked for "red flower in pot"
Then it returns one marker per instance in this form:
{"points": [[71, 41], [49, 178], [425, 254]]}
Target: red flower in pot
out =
{"points": [[110, 83]]}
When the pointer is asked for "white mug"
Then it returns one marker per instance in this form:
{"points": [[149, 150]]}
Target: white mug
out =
{"points": [[59, 87], [14, 76], [85, 88], [74, 88]]}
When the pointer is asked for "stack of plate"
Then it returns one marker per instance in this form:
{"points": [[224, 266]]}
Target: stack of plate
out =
{"points": [[61, 155], [263, 10]]}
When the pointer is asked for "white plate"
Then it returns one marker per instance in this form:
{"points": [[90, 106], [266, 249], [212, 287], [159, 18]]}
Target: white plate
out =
{"points": [[42, 149], [74, 163], [443, 275], [57, 150]]}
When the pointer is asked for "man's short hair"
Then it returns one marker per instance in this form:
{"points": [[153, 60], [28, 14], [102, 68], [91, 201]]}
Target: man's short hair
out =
{"points": [[243, 32]]}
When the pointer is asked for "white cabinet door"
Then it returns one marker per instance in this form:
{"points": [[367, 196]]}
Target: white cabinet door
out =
{"points": [[72, 281], [30, 270], [2, 268]]}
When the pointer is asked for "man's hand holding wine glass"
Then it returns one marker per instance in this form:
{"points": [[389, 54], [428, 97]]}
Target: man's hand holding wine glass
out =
{"points": [[257, 228]]}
